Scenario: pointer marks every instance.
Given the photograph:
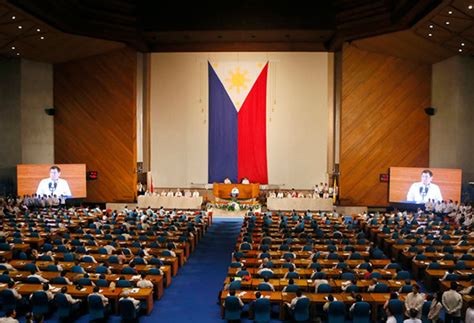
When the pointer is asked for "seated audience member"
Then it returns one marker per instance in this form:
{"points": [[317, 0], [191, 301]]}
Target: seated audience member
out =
{"points": [[245, 180], [126, 296], [143, 282], [227, 181], [96, 291]]}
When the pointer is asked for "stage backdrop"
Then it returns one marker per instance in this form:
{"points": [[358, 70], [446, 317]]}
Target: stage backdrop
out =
{"points": [[277, 116]]}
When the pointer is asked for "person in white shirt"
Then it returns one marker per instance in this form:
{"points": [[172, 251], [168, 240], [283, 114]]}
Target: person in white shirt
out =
{"points": [[316, 189], [390, 317], [69, 298], [143, 282], [234, 192], [300, 195], [266, 282], [299, 295], [452, 303], [195, 193], [414, 300], [95, 291], [470, 312], [178, 193], [5, 264], [163, 193], [187, 193], [280, 195], [53, 184], [126, 296], [435, 308], [413, 317], [232, 293], [170, 194], [227, 181], [10, 317], [245, 180], [40, 278], [47, 292], [11, 285], [469, 289], [172, 253], [421, 192]]}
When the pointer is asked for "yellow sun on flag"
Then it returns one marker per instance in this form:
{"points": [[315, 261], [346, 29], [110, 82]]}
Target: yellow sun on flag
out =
{"points": [[237, 79]]}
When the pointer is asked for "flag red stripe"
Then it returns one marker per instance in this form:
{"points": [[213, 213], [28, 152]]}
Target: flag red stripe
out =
{"points": [[252, 133]]}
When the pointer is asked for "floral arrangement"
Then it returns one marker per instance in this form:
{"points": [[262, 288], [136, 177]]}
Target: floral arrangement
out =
{"points": [[234, 206]]}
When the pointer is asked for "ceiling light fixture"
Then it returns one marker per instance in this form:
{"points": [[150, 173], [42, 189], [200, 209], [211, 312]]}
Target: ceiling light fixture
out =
{"points": [[469, 7], [42, 37], [462, 44], [450, 12], [38, 30], [431, 26], [460, 50], [447, 22], [19, 27], [17, 54], [13, 17], [430, 35], [13, 47]]}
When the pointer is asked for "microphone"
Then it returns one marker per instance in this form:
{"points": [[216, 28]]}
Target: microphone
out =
{"points": [[52, 187], [424, 191]]}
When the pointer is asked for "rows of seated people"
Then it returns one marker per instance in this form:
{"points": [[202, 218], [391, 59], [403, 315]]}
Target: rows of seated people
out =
{"points": [[323, 266], [93, 261]]}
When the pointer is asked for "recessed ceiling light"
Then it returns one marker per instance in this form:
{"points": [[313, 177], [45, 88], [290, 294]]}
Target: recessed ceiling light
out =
{"points": [[38, 30], [460, 50], [13, 47], [450, 12], [469, 7], [430, 35], [462, 44], [19, 27], [42, 37], [431, 26], [17, 54], [447, 22], [13, 17]]}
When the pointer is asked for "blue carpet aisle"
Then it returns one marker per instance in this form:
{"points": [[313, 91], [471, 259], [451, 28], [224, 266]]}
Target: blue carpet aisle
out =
{"points": [[193, 292]]}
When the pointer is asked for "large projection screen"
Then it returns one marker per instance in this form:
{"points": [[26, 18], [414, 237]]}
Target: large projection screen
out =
{"points": [[417, 185], [30, 176]]}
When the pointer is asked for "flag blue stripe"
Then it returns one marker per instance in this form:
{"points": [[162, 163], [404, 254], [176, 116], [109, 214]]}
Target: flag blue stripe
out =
{"points": [[222, 132]]}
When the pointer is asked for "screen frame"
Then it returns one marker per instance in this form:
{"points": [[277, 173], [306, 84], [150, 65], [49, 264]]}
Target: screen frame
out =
{"points": [[76, 180]]}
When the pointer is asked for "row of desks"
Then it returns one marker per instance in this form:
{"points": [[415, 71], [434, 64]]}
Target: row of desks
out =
{"points": [[113, 294]]}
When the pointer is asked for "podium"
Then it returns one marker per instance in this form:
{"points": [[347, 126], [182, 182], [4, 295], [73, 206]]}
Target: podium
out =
{"points": [[246, 191]]}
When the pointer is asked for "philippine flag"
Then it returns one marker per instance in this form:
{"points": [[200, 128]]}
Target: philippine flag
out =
{"points": [[237, 121]]}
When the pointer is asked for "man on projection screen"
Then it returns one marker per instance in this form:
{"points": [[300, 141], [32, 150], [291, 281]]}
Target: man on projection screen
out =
{"points": [[423, 191], [54, 185]]}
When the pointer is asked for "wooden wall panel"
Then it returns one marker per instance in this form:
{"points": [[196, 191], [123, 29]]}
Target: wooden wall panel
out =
{"points": [[95, 121], [383, 122]]}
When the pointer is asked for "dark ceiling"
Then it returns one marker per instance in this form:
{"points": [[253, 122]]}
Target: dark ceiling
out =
{"points": [[249, 25]]}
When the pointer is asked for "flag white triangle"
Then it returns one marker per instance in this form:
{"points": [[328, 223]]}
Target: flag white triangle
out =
{"points": [[238, 78]]}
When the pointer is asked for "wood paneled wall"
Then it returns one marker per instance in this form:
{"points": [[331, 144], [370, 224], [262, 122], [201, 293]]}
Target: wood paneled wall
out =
{"points": [[383, 122], [95, 121]]}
